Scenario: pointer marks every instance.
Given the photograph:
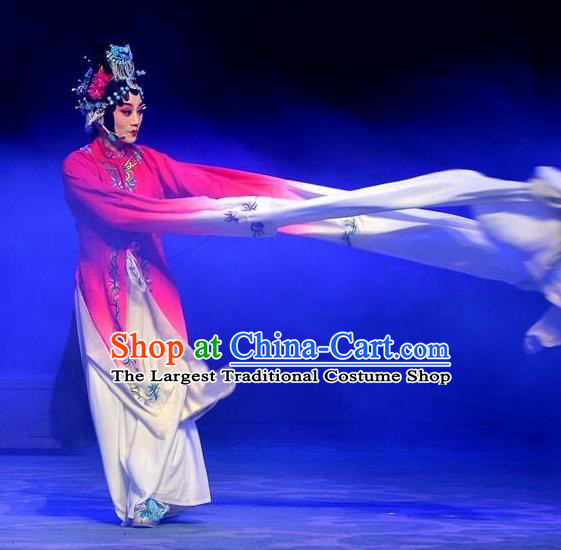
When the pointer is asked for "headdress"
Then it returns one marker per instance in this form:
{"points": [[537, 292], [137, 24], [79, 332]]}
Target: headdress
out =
{"points": [[91, 88]]}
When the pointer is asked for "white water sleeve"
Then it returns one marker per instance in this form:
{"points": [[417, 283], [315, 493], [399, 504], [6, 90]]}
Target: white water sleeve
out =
{"points": [[515, 238]]}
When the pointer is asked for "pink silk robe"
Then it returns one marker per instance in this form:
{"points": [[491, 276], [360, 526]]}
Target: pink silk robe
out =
{"points": [[124, 202]]}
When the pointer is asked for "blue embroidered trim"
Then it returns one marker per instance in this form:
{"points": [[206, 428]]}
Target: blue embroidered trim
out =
{"points": [[231, 217], [144, 267], [114, 289], [135, 246], [258, 229], [249, 206], [153, 390]]}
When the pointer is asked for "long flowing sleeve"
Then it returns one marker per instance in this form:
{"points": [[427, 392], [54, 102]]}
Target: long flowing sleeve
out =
{"points": [[515, 236], [424, 236], [515, 241], [438, 189], [388, 218], [185, 179], [198, 215]]}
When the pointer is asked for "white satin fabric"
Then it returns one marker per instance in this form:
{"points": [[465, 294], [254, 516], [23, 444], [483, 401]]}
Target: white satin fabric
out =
{"points": [[147, 451], [514, 236]]}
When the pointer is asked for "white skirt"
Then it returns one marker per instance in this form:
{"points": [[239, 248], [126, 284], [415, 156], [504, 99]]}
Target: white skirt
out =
{"points": [[149, 448]]}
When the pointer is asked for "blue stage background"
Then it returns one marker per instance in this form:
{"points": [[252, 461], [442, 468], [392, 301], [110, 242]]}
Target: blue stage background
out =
{"points": [[331, 98]]}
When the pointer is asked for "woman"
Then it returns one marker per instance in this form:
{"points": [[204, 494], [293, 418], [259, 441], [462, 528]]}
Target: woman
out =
{"points": [[124, 196]]}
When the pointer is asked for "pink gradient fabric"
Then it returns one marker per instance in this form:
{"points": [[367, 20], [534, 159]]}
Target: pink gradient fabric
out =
{"points": [[123, 202]]}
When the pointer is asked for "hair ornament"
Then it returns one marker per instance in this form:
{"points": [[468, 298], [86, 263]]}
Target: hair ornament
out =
{"points": [[120, 61], [92, 87], [99, 82]]}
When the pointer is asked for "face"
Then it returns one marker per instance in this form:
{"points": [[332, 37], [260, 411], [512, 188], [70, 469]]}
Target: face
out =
{"points": [[128, 118]]}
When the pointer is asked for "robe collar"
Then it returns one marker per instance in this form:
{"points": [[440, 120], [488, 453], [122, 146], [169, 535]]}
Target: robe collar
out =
{"points": [[102, 151]]}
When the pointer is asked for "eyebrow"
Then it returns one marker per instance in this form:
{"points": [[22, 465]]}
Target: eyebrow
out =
{"points": [[131, 105]]}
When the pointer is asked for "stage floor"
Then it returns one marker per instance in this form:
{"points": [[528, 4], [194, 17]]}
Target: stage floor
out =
{"points": [[304, 492]]}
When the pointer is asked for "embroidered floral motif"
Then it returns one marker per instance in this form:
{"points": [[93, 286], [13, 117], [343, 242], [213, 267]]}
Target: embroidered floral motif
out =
{"points": [[257, 228], [231, 217], [153, 390], [152, 393], [129, 361], [133, 160], [114, 289], [350, 229], [145, 268], [249, 206], [123, 178], [135, 275], [127, 182], [144, 265]]}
